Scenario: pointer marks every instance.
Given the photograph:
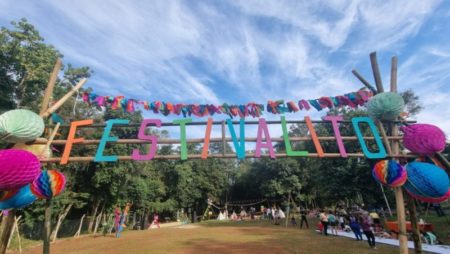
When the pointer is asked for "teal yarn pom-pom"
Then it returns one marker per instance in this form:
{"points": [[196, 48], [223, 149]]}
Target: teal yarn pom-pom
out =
{"points": [[386, 106]]}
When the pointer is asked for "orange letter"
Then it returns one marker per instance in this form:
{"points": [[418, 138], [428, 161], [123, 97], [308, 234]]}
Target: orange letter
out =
{"points": [[71, 139], [313, 134], [207, 136]]}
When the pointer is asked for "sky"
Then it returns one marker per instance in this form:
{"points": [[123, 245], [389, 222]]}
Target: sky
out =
{"points": [[249, 50]]}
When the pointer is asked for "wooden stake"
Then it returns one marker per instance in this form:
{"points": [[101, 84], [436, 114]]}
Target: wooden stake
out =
{"points": [[61, 101], [50, 85], [376, 72]]}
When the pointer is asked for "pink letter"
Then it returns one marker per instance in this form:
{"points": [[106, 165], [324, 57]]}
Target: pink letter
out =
{"points": [[152, 138], [334, 121], [263, 127]]}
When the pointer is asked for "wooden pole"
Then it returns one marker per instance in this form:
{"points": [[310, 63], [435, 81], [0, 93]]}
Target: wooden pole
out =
{"points": [[365, 82], [376, 72], [50, 85], [415, 226], [394, 61], [47, 226], [402, 237], [61, 101], [7, 230], [224, 144]]}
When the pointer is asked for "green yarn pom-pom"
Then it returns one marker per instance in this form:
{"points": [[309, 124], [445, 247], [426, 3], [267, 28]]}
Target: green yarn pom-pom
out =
{"points": [[20, 126], [386, 106]]}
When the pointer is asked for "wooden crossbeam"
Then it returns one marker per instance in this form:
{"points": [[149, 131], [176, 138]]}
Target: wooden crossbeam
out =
{"points": [[223, 156]]}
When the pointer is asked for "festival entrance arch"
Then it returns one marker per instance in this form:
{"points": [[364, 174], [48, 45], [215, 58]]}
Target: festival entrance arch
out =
{"points": [[21, 180]]}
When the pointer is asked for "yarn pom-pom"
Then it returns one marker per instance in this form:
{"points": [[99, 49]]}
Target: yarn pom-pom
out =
{"points": [[17, 168], [390, 173], [426, 180], [22, 198], [385, 106], [50, 183], [423, 139], [20, 126]]}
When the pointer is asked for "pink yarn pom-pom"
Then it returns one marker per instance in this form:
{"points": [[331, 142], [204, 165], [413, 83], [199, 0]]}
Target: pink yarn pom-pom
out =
{"points": [[17, 168], [423, 139]]}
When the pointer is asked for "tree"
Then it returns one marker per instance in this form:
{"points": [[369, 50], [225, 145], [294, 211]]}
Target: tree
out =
{"points": [[25, 65]]}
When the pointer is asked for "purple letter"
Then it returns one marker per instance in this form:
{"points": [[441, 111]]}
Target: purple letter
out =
{"points": [[334, 121], [263, 127], [154, 140]]}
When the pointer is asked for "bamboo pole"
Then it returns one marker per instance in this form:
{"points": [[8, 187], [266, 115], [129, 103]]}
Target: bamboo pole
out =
{"points": [[376, 72], [415, 226], [196, 123], [401, 218], [201, 140], [47, 226], [364, 81], [61, 101], [226, 156], [7, 230], [224, 139], [50, 85]]}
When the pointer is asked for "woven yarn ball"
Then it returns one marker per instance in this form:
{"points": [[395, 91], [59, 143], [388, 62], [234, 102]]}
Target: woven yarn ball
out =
{"points": [[50, 183], [23, 198], [426, 180], [36, 149], [4, 195], [385, 106], [17, 168], [20, 126], [390, 173], [423, 139]]}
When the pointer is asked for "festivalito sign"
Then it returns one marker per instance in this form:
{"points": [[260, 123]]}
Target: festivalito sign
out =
{"points": [[263, 139]]}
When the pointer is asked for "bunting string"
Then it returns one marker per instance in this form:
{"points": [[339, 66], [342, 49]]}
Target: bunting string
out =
{"points": [[352, 100]]}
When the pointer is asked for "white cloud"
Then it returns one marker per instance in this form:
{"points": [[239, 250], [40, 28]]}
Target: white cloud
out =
{"points": [[241, 51]]}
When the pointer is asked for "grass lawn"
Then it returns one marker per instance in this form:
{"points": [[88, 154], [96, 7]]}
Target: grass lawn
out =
{"points": [[215, 237]]}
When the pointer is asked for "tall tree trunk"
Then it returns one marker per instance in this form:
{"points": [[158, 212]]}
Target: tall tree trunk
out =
{"points": [[97, 222], [77, 234], [92, 216], [61, 218], [23, 88]]}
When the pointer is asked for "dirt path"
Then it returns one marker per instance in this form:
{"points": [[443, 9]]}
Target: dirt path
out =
{"points": [[231, 238]]}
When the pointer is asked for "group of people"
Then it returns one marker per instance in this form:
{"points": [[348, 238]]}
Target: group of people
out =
{"points": [[120, 217], [360, 222]]}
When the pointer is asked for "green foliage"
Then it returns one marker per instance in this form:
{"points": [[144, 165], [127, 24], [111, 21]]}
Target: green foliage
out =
{"points": [[25, 65]]}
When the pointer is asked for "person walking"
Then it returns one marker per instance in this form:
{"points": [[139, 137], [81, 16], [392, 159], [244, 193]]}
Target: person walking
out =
{"points": [[367, 230], [303, 213], [324, 220], [332, 221], [354, 225], [155, 221]]}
